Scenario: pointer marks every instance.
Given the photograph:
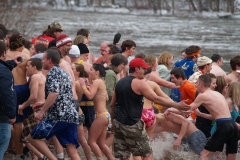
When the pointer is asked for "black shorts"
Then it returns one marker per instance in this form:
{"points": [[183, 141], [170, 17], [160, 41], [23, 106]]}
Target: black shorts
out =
{"points": [[227, 132]]}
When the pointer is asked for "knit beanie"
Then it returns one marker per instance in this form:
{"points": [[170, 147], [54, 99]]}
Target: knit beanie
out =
{"points": [[62, 40], [83, 48], [16, 41], [74, 51]]}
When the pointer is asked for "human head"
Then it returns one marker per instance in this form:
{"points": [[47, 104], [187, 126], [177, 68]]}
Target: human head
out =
{"points": [[84, 52], [9, 34], [166, 58], [56, 28], [40, 48], [183, 54], [118, 62], [235, 63], [50, 58], [4, 30], [177, 76], [29, 45], [16, 42], [204, 82], [84, 32], [151, 60], [74, 53], [204, 64], [222, 86], [138, 67], [193, 52], [80, 39], [129, 46], [78, 69], [64, 43], [2, 36], [3, 49], [213, 78], [216, 58], [140, 55], [234, 92], [97, 71], [33, 66], [109, 52], [103, 47]]}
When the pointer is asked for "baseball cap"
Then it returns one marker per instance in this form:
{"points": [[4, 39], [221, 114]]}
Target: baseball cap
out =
{"points": [[138, 62], [56, 25], [203, 61], [74, 51]]}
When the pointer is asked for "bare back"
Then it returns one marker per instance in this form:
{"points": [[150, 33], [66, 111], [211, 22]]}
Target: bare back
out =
{"points": [[66, 67], [215, 103], [101, 96], [19, 72]]}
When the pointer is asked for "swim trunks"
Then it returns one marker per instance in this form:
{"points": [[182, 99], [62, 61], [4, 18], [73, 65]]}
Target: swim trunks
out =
{"points": [[148, 117]]}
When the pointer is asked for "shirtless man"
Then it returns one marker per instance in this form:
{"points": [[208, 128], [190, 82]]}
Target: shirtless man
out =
{"points": [[16, 46], [216, 65], [172, 122], [234, 75], [227, 131], [37, 94], [64, 44]]}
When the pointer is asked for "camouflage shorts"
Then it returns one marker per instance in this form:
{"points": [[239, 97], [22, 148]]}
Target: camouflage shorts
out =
{"points": [[131, 139]]}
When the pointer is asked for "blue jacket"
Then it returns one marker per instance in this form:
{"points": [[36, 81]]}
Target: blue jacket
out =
{"points": [[7, 94], [188, 66]]}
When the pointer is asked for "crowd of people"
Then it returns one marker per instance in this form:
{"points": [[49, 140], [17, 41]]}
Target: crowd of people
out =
{"points": [[55, 95]]}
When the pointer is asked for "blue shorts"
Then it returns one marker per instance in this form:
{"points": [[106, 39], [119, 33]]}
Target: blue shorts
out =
{"points": [[23, 93], [66, 133]]}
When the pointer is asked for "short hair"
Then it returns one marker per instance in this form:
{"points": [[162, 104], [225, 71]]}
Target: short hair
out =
{"points": [[40, 48], [221, 83], [80, 68], [28, 44], [192, 49], [83, 32], [2, 48], [113, 49], [118, 59], [2, 36], [79, 39], [53, 55], [36, 62], [150, 59], [216, 57], [178, 72], [235, 61], [128, 44], [58, 51], [100, 68], [12, 31], [164, 58], [205, 80], [140, 55], [211, 75]]}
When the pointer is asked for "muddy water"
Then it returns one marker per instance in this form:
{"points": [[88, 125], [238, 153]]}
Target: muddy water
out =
{"points": [[152, 34]]}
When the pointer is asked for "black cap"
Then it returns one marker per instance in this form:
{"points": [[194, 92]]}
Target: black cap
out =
{"points": [[83, 48]]}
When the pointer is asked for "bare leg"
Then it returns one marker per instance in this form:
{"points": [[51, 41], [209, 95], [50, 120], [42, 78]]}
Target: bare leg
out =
{"points": [[18, 128], [109, 139], [58, 147], [72, 152], [42, 147], [82, 140], [101, 142], [205, 154], [150, 130], [34, 150], [231, 157]]}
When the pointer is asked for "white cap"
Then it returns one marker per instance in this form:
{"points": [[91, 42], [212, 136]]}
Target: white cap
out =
{"points": [[238, 71], [203, 61], [74, 51]]}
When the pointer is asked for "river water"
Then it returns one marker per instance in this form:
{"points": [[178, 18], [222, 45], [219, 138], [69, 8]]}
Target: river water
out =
{"points": [[153, 34]]}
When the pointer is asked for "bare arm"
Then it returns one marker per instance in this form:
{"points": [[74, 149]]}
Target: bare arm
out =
{"points": [[162, 82], [92, 91], [48, 103], [34, 85], [112, 108], [204, 115], [79, 90]]}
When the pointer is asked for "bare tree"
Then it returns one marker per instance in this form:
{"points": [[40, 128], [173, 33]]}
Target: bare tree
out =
{"points": [[193, 5], [200, 5]]}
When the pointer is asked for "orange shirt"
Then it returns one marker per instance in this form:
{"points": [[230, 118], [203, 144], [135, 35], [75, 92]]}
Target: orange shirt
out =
{"points": [[188, 91]]}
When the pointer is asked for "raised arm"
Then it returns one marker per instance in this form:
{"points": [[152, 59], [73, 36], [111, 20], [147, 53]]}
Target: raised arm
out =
{"points": [[92, 91], [162, 82]]}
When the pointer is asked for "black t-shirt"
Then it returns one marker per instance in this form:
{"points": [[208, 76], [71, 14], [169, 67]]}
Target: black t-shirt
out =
{"points": [[129, 105]]}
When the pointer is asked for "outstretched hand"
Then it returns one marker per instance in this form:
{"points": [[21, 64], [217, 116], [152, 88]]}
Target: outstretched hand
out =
{"points": [[183, 106]]}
